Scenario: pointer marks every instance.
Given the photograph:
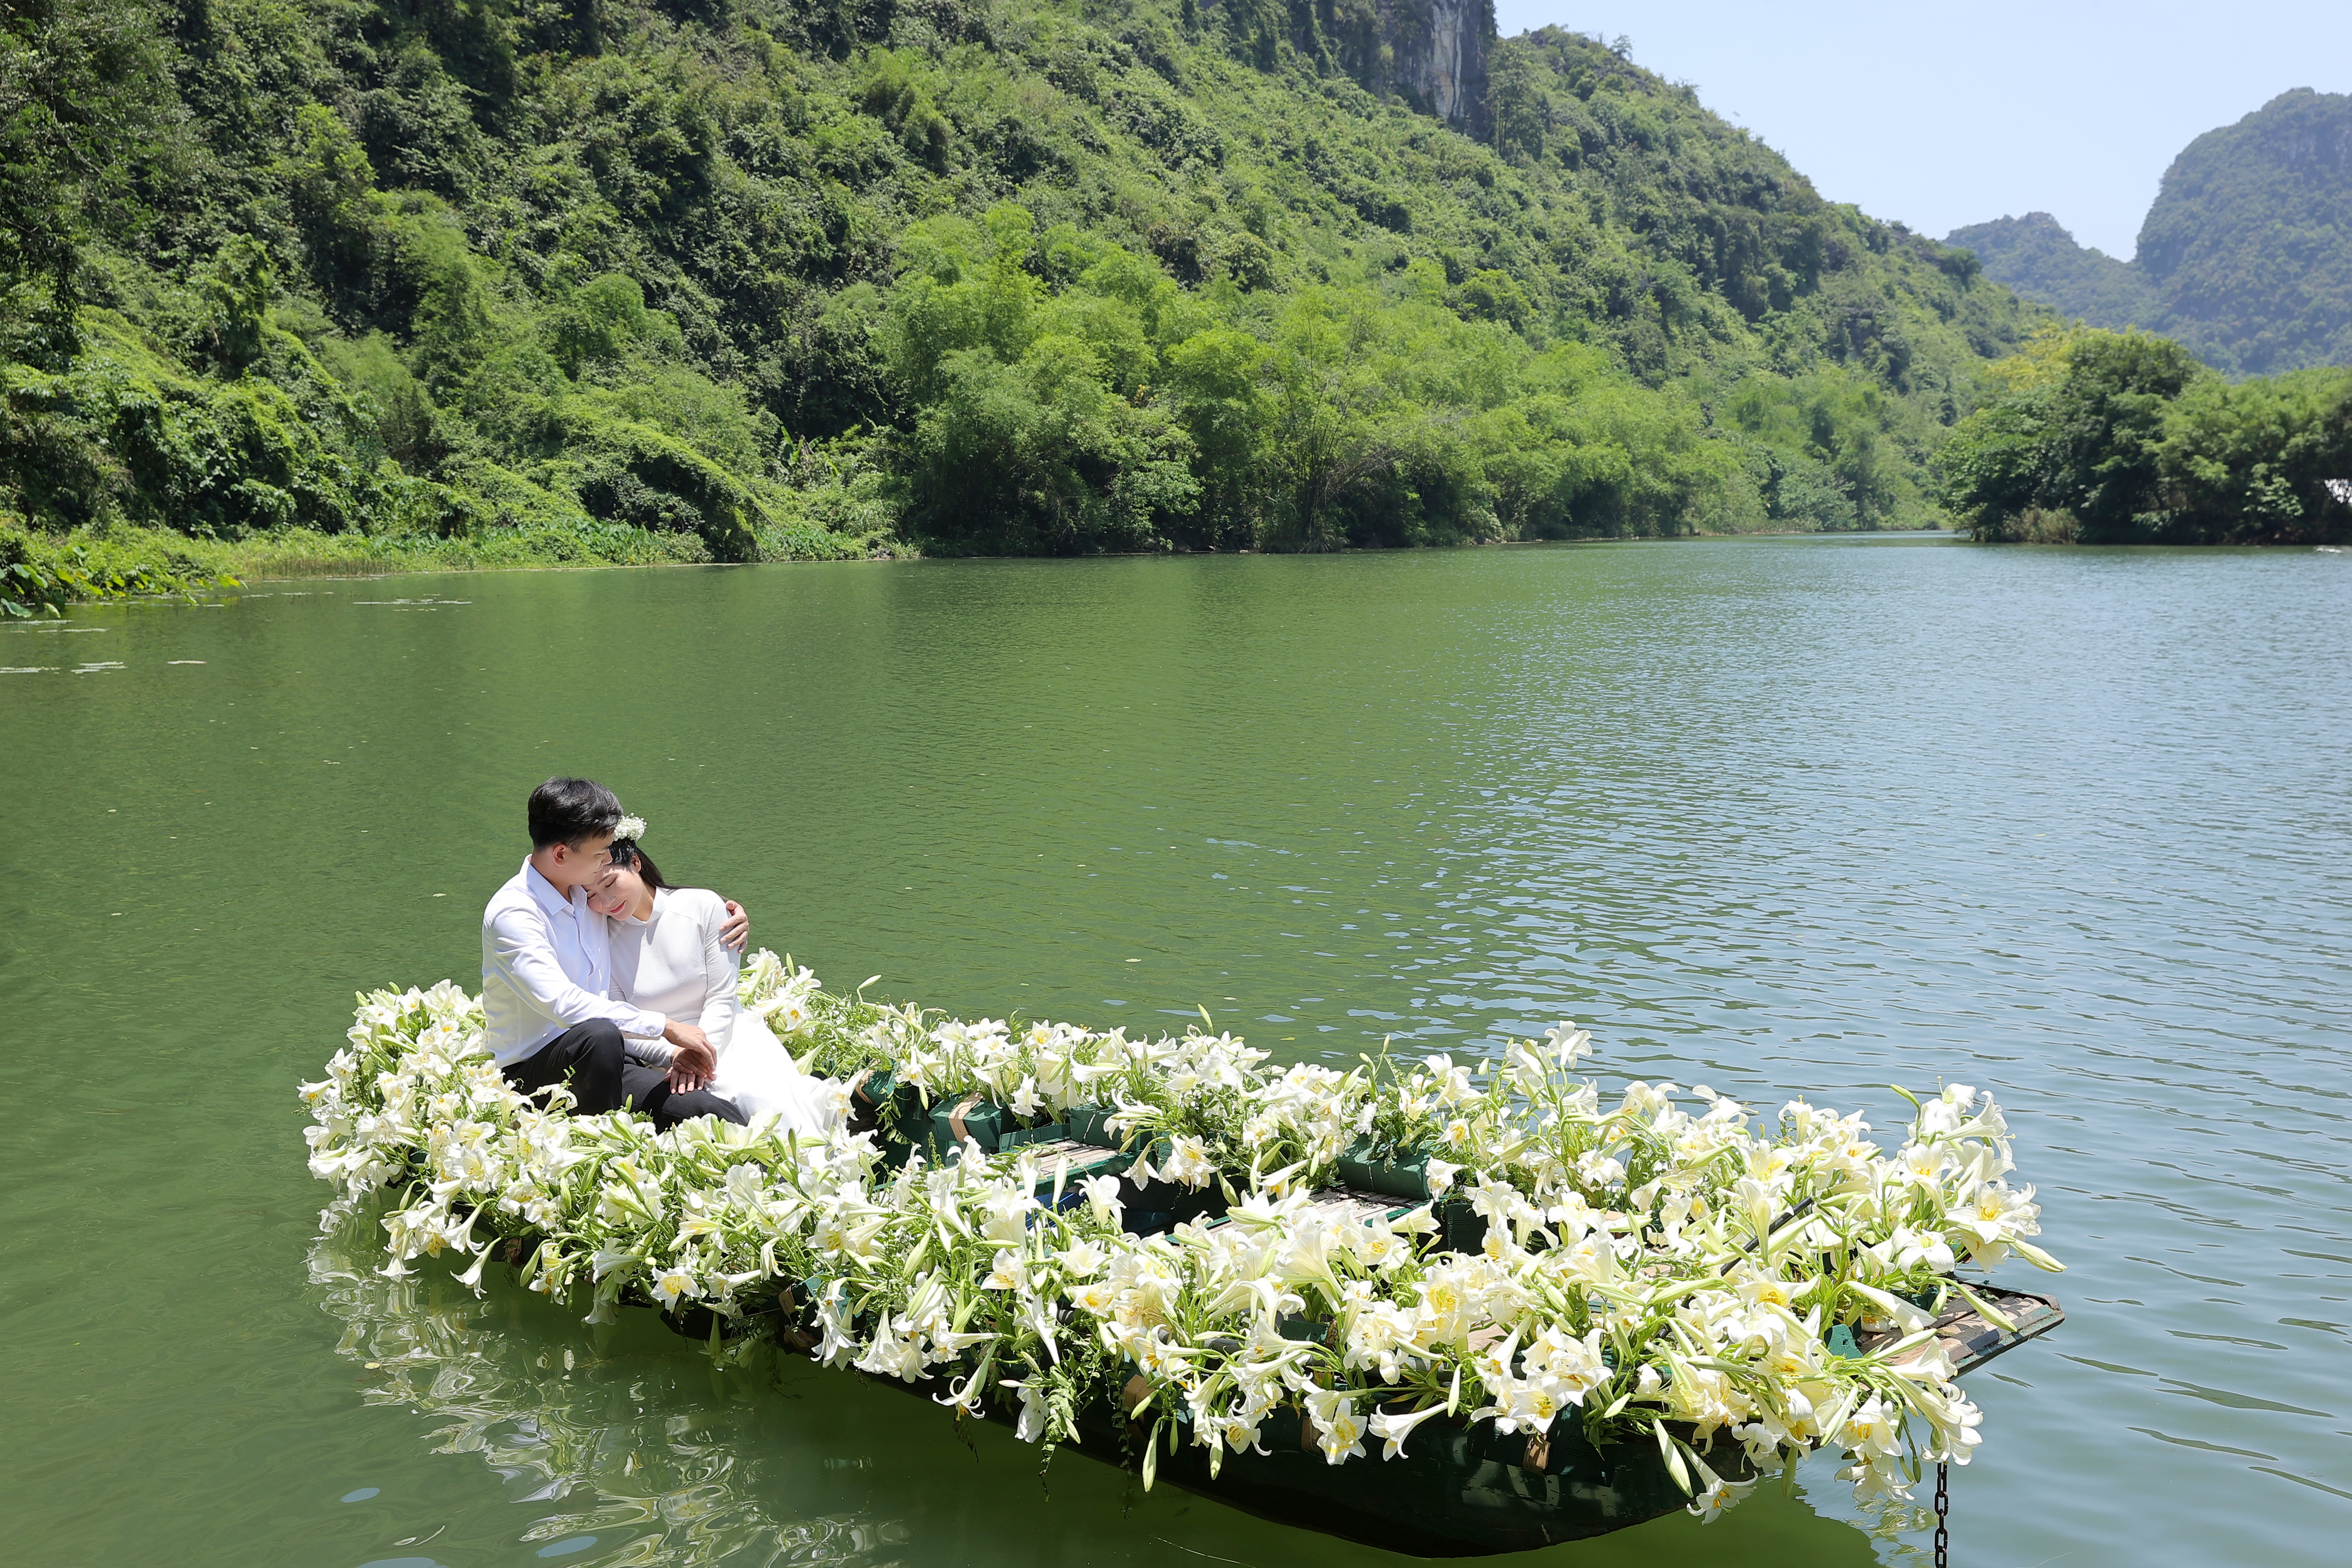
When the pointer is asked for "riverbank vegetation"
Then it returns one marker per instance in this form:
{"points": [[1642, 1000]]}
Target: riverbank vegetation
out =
{"points": [[43, 572], [491, 281], [2103, 437]]}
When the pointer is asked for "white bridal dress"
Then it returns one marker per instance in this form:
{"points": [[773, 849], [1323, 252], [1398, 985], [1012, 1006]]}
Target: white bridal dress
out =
{"points": [[676, 966]]}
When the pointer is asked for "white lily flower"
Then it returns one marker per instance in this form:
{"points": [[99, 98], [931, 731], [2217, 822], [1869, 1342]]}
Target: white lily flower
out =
{"points": [[1097, 1298], [1717, 1498], [1026, 1102], [1567, 1043], [1393, 1430], [674, 1282], [1914, 1247], [1031, 1425], [1102, 1196], [1188, 1162], [1007, 1273]]}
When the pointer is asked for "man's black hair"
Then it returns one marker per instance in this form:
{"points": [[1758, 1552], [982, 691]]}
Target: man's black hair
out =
{"points": [[565, 811]]}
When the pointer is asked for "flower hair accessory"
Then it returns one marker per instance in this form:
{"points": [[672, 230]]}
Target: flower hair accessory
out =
{"points": [[630, 830]]}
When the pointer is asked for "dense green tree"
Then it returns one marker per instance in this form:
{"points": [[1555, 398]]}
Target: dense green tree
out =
{"points": [[2037, 257], [2249, 238], [2124, 438], [82, 96], [2250, 462]]}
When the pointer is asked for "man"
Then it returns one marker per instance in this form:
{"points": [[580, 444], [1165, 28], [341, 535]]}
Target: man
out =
{"points": [[547, 974]]}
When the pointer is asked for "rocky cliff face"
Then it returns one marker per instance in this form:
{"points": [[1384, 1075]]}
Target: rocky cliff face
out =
{"points": [[1430, 53], [1436, 56]]}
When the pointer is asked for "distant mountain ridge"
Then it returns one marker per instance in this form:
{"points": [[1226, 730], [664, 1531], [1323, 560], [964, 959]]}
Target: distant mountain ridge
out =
{"points": [[2036, 256], [2245, 256]]}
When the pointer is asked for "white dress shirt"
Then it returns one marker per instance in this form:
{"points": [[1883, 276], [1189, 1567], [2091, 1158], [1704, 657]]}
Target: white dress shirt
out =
{"points": [[676, 964], [547, 965]]}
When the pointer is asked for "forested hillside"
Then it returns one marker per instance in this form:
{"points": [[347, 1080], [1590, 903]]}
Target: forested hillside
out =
{"points": [[578, 279], [2246, 256]]}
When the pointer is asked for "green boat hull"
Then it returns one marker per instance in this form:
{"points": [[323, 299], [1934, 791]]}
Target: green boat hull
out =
{"points": [[1458, 1490]]}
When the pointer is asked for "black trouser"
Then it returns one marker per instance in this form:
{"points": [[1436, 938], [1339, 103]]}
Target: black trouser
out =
{"points": [[588, 1058], [649, 1092]]}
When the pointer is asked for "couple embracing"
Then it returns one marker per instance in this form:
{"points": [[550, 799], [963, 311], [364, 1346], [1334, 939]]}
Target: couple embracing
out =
{"points": [[599, 975]]}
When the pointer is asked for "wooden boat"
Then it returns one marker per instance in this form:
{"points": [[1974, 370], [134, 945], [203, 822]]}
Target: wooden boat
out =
{"points": [[1461, 1488]]}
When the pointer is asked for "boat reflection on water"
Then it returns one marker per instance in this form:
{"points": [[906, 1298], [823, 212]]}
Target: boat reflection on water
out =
{"points": [[624, 1434]]}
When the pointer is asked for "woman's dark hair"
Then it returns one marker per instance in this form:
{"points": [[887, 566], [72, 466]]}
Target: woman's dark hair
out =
{"points": [[627, 854], [565, 811]]}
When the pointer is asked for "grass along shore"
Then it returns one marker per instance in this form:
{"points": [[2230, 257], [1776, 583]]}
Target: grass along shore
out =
{"points": [[41, 572]]}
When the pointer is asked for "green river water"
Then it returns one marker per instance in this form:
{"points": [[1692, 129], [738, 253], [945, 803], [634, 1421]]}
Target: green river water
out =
{"points": [[1790, 815]]}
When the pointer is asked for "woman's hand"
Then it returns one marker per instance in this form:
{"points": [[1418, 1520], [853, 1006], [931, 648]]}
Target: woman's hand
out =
{"points": [[738, 929], [694, 1063]]}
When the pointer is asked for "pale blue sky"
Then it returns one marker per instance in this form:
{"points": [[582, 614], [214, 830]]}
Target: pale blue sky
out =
{"points": [[1940, 116]]}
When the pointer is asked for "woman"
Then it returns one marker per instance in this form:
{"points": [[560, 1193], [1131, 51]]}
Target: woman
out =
{"points": [[667, 958]]}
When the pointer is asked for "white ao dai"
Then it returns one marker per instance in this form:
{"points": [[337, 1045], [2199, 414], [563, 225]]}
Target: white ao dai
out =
{"points": [[676, 964]]}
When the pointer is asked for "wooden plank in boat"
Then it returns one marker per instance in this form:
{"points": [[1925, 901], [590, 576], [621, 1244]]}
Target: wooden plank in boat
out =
{"points": [[1970, 1340], [1085, 1159], [1350, 1204]]}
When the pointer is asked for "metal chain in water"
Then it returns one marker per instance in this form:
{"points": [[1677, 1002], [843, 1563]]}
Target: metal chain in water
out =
{"points": [[1943, 1515]]}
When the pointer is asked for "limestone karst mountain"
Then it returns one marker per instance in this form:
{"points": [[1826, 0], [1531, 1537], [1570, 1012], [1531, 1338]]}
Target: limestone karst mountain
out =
{"points": [[2246, 255]]}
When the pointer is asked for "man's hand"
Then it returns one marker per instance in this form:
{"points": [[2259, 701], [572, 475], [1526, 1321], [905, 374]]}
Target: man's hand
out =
{"points": [[694, 1063], [738, 929]]}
